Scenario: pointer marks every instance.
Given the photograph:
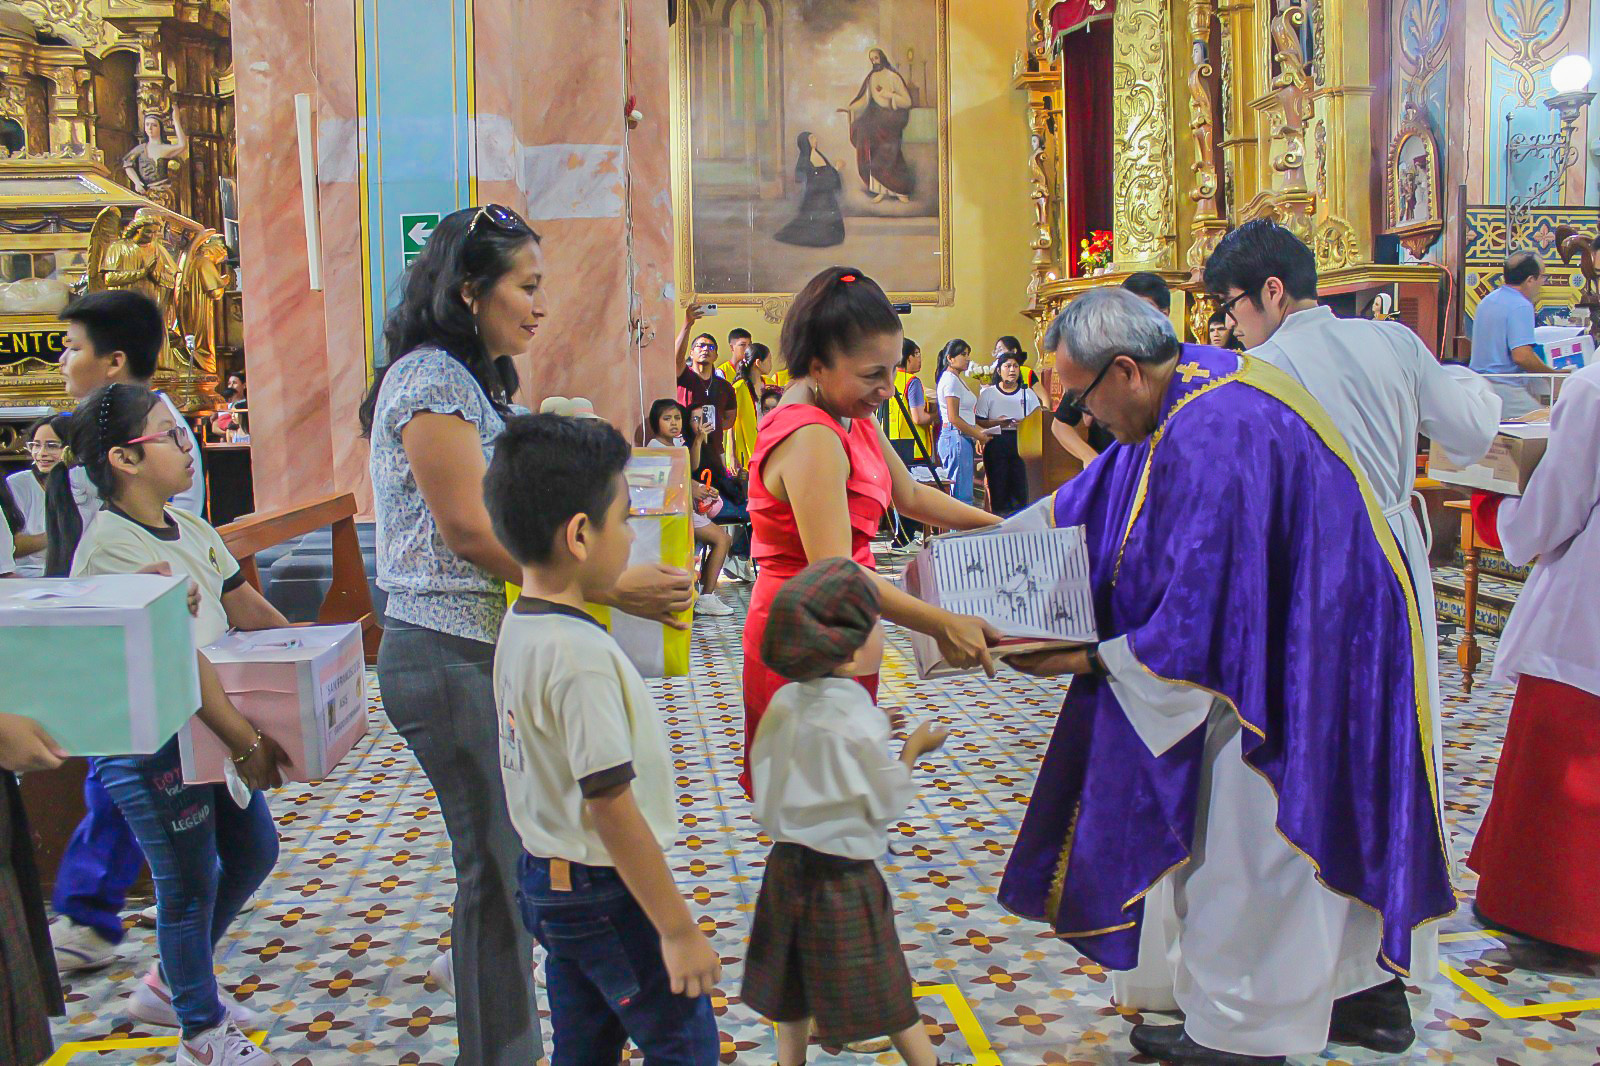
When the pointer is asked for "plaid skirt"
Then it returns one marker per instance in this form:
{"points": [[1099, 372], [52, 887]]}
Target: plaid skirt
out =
{"points": [[823, 946], [29, 989]]}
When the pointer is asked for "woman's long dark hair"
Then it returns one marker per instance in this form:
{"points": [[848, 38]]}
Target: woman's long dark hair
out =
{"points": [[15, 519], [661, 407], [756, 353], [953, 350], [433, 314], [111, 416]]}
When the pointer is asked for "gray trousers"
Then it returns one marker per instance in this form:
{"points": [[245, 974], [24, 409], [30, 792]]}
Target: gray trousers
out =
{"points": [[438, 690]]}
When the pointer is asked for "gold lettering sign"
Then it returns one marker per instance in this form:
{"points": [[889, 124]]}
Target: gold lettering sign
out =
{"points": [[44, 343]]}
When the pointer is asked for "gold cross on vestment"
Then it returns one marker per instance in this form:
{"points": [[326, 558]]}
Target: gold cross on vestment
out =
{"points": [[1192, 370]]}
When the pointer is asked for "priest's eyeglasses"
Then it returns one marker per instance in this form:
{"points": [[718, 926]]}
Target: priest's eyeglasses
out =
{"points": [[1076, 402], [500, 217]]}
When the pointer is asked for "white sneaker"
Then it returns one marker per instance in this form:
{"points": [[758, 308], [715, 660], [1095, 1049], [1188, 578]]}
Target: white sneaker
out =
{"points": [[443, 973], [223, 1046], [712, 607], [151, 1003], [539, 955], [79, 948], [147, 917]]}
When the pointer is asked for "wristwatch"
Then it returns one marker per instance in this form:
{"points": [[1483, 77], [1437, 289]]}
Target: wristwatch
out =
{"points": [[1097, 665]]}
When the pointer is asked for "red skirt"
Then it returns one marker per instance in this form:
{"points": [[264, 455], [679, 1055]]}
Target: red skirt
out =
{"points": [[761, 683], [1538, 868]]}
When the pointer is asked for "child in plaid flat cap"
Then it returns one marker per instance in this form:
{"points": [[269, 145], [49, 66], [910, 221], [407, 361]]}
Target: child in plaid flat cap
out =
{"points": [[823, 947]]}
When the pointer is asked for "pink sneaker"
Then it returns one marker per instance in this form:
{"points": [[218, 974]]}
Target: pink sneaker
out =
{"points": [[151, 1003]]}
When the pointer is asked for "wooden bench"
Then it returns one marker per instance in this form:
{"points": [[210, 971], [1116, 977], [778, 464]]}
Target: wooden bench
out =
{"points": [[348, 599]]}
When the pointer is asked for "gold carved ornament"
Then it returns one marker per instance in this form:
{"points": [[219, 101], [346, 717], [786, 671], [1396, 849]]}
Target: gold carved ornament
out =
{"points": [[1143, 178], [1293, 87]]}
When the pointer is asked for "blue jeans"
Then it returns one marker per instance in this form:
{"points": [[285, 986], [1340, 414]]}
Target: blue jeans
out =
{"points": [[959, 459], [605, 975], [99, 864], [207, 858]]}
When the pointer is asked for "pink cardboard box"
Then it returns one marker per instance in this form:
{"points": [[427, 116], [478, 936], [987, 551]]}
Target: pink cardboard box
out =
{"points": [[305, 687]]}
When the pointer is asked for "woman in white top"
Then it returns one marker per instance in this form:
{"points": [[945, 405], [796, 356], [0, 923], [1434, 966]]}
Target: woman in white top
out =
{"points": [[1002, 407], [960, 435]]}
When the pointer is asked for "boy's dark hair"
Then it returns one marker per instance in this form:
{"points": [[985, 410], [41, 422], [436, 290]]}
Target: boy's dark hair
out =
{"points": [[109, 417], [1151, 287], [1258, 250], [1218, 318], [121, 320], [1521, 266], [908, 348], [738, 333], [836, 309], [546, 469], [661, 407]]}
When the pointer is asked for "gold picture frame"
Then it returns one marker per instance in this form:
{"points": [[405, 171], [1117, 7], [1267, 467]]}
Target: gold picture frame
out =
{"points": [[1412, 179], [692, 271]]}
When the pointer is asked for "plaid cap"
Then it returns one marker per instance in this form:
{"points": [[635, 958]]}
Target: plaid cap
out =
{"points": [[819, 619]]}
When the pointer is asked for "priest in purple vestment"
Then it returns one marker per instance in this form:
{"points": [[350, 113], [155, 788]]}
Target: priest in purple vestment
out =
{"points": [[1252, 733]]}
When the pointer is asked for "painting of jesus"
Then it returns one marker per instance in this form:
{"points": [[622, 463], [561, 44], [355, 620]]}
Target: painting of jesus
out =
{"points": [[809, 133]]}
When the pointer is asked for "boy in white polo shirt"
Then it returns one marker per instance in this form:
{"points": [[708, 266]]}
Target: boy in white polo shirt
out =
{"points": [[587, 773]]}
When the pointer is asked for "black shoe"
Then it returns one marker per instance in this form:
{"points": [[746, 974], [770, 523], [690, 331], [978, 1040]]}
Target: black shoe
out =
{"points": [[1377, 1018], [1170, 1043]]}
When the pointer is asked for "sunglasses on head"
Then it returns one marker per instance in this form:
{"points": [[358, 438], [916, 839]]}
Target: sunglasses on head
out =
{"points": [[500, 217]]}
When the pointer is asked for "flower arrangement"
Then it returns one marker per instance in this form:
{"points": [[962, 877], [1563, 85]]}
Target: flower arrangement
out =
{"points": [[1094, 252]]}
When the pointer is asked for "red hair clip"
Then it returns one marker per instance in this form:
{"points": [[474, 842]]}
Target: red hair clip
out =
{"points": [[847, 278]]}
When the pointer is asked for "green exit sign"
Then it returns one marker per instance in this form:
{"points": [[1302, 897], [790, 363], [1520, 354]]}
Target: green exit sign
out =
{"points": [[414, 233]]}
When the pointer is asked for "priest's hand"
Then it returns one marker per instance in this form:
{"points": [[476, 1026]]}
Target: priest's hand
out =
{"points": [[964, 641], [1050, 663]]}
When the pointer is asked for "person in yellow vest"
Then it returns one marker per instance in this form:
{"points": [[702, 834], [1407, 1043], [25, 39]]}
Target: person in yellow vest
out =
{"points": [[908, 424]]}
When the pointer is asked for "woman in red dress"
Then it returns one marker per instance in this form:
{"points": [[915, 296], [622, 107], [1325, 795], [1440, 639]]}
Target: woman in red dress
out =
{"points": [[823, 475]]}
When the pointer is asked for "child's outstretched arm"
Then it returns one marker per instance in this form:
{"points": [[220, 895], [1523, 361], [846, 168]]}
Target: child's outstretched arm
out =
{"points": [[256, 756], [692, 963]]}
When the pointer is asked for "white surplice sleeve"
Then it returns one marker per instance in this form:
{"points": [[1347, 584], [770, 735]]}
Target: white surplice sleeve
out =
{"points": [[1161, 712], [1564, 491], [1457, 407]]}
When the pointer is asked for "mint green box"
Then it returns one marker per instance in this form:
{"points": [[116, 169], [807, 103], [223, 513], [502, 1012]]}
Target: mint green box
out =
{"points": [[105, 663]]}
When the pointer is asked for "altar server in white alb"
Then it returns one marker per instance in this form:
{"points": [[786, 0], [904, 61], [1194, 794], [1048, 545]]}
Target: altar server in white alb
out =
{"points": [[1377, 381]]}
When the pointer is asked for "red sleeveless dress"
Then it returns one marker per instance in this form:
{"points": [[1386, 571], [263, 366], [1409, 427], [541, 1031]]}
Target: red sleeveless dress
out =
{"points": [[776, 547]]}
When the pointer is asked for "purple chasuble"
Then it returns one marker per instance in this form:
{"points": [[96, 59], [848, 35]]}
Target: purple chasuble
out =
{"points": [[1241, 551]]}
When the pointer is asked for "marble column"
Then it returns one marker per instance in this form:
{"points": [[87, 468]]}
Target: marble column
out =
{"points": [[548, 138]]}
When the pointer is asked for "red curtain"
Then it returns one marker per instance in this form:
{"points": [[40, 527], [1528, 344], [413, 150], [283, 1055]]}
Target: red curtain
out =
{"points": [[1070, 15], [1086, 136]]}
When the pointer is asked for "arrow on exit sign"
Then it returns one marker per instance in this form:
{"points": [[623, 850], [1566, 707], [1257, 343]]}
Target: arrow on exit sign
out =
{"points": [[415, 231]]}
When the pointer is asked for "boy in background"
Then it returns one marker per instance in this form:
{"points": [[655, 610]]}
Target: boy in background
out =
{"points": [[584, 757]]}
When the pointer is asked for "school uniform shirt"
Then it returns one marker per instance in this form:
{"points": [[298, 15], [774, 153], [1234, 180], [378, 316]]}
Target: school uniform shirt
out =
{"points": [[29, 494], [575, 721], [993, 402], [116, 544], [821, 770]]}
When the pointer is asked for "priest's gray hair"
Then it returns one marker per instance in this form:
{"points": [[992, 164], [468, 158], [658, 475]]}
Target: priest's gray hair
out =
{"points": [[1104, 323]]}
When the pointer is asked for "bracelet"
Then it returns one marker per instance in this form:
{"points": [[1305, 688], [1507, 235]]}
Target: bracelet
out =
{"points": [[240, 760]]}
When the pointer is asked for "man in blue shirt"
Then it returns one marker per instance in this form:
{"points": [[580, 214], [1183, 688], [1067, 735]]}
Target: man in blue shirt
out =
{"points": [[1502, 333]]}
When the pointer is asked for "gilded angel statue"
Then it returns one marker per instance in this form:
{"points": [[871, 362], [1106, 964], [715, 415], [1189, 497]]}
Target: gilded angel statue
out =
{"points": [[203, 277]]}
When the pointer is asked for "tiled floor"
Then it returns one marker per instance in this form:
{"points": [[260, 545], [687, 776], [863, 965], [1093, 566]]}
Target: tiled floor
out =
{"points": [[337, 953]]}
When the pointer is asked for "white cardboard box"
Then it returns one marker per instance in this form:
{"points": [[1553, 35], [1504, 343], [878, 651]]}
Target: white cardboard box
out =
{"points": [[1511, 460], [305, 687], [105, 663]]}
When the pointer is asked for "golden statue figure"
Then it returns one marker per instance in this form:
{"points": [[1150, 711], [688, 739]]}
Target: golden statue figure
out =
{"points": [[203, 277], [147, 164], [137, 260]]}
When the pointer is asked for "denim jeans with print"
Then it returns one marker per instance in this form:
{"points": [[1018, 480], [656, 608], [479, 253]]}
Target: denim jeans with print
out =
{"points": [[207, 858], [605, 975]]}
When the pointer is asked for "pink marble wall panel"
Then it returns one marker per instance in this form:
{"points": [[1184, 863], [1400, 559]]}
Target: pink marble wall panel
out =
{"points": [[285, 347]]}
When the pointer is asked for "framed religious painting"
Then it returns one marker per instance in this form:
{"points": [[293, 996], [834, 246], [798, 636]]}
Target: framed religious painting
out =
{"points": [[1412, 178], [808, 134]]}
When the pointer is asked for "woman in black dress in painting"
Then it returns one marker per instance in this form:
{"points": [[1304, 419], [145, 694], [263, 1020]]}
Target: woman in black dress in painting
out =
{"points": [[819, 223]]}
